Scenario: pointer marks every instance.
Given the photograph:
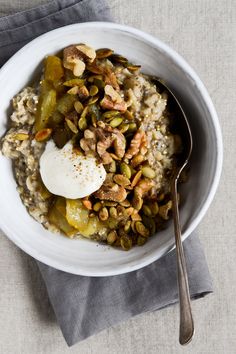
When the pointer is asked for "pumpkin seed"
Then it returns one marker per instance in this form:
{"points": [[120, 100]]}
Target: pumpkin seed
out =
{"points": [[137, 201], [103, 214], [136, 179], [116, 122], [97, 206], [113, 212], [78, 107], [124, 127], [112, 223], [82, 123], [141, 240], [121, 180], [137, 160], [93, 77], [21, 136], [93, 90], [112, 167], [129, 211], [135, 216], [110, 114], [147, 211], [125, 170], [141, 229], [127, 226], [104, 53], [74, 82], [148, 172], [93, 100], [85, 111], [125, 203], [94, 68], [132, 67], [111, 237], [126, 243], [119, 59], [71, 126], [73, 90]]}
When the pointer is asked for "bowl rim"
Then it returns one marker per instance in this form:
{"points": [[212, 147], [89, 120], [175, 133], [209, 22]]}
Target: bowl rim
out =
{"points": [[180, 61]]}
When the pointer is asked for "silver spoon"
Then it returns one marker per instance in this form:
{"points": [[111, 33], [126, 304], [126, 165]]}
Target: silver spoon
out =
{"points": [[186, 330]]}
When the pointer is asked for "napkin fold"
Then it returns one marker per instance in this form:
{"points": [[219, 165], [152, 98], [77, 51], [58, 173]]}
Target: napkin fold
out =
{"points": [[86, 305]]}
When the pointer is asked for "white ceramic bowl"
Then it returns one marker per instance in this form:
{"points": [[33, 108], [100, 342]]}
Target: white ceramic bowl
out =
{"points": [[82, 256]]}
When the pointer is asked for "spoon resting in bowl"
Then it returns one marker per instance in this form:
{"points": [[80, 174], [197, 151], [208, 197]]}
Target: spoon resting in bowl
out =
{"points": [[186, 330]]}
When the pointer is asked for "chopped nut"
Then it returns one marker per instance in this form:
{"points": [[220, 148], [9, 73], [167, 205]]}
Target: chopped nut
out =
{"points": [[108, 103], [143, 186], [86, 52], [103, 138], [138, 143], [115, 193], [113, 94], [74, 58], [136, 179]]}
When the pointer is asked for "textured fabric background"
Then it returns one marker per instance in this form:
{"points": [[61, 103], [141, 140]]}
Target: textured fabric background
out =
{"points": [[204, 32]]}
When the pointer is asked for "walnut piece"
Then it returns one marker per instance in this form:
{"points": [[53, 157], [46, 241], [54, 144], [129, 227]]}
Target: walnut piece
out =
{"points": [[86, 52], [113, 100], [138, 144], [100, 139], [112, 192], [143, 186]]}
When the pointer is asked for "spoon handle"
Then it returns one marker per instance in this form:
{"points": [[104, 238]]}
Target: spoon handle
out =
{"points": [[186, 329]]}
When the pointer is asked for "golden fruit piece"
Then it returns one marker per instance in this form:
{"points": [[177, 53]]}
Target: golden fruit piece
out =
{"points": [[53, 68]]}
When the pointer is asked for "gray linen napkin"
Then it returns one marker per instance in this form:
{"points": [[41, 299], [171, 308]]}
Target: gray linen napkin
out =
{"points": [[86, 305]]}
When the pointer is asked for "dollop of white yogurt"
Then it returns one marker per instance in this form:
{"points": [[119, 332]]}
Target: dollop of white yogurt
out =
{"points": [[69, 174]]}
